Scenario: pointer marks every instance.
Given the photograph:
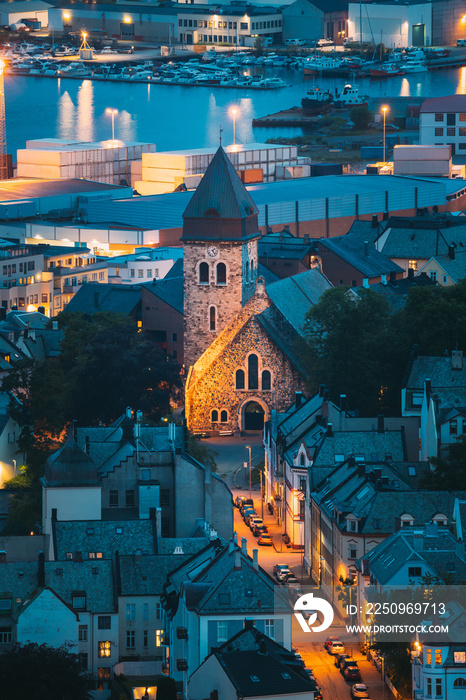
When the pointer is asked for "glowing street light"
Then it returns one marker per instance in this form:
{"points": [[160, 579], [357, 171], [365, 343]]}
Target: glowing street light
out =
{"points": [[248, 447], [127, 19], [112, 112], [233, 113], [384, 111]]}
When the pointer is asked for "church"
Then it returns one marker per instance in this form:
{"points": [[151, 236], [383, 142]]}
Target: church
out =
{"points": [[242, 337]]}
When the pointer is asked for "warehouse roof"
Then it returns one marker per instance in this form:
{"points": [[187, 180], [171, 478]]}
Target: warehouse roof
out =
{"points": [[23, 188], [24, 6]]}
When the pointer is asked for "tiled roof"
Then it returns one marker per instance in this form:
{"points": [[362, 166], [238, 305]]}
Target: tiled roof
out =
{"points": [[369, 261], [439, 371], [221, 190], [421, 243], [169, 290], [397, 293], [146, 575], [95, 577], [360, 442], [104, 536], [70, 466], [93, 297], [447, 103], [455, 268], [295, 295]]}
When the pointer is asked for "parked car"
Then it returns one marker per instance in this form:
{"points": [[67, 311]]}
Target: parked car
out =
{"points": [[347, 662], [258, 531], [291, 578], [329, 640], [268, 41], [248, 517], [280, 567], [256, 522], [340, 658], [351, 673], [461, 42], [359, 690], [317, 691], [108, 49], [282, 573], [265, 540], [325, 42], [336, 648], [310, 673]]}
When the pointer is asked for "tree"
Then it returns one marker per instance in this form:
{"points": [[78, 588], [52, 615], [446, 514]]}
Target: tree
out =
{"points": [[258, 46], [449, 470], [41, 672], [349, 349], [360, 116]]}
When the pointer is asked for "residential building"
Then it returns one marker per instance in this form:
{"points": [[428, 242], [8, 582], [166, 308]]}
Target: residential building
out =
{"points": [[284, 254], [163, 312], [446, 270], [443, 122], [208, 600], [143, 265], [439, 667], [248, 664], [231, 25], [92, 298]]}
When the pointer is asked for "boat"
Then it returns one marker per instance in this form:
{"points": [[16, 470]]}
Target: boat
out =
{"points": [[317, 101], [349, 97], [272, 83], [75, 69], [414, 66], [385, 70], [318, 64]]}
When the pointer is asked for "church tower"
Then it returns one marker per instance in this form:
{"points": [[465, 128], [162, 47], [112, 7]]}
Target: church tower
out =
{"points": [[220, 235]]}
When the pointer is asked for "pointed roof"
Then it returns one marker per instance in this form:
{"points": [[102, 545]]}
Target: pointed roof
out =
{"points": [[220, 196], [70, 466]]}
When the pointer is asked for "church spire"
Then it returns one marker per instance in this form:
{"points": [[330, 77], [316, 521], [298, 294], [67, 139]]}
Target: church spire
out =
{"points": [[221, 208]]}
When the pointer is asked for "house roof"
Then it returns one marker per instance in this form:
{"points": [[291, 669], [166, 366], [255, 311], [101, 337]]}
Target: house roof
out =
{"points": [[146, 575], [220, 190], [294, 296], [448, 103], [70, 466], [369, 261], [415, 244], [439, 371], [360, 442], [169, 290], [397, 293], [93, 297], [105, 536], [95, 577], [455, 268]]}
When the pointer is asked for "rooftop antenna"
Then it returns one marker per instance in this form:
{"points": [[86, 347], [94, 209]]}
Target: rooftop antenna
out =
{"points": [[220, 134]]}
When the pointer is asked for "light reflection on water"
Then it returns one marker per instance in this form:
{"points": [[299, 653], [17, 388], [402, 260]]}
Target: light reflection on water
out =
{"points": [[182, 117]]}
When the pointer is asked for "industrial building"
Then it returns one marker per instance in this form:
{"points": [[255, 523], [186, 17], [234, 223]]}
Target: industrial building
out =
{"points": [[392, 24], [13, 12]]}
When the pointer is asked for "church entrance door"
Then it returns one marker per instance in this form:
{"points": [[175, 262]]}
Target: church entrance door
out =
{"points": [[253, 416]]}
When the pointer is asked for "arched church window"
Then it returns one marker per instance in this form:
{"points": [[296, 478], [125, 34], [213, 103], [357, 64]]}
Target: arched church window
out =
{"points": [[212, 318], [214, 416], [253, 372], [266, 380], [247, 270], [223, 416], [239, 379], [221, 273], [204, 273]]}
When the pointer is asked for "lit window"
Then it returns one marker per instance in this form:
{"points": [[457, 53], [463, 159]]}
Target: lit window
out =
{"points": [[104, 649], [412, 264], [158, 638], [438, 657], [428, 657]]}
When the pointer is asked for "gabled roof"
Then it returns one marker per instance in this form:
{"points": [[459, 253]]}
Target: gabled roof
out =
{"points": [[70, 466], [295, 295], [439, 371], [93, 297], [454, 267], [369, 261], [447, 103], [169, 290], [105, 536]]}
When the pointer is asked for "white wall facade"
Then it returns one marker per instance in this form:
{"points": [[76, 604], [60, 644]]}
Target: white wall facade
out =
{"points": [[390, 24], [48, 620], [443, 128]]}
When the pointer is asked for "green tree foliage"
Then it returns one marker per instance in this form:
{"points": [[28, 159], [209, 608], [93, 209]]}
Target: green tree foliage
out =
{"points": [[450, 469], [348, 348], [397, 665], [166, 688], [41, 672], [258, 46], [361, 117]]}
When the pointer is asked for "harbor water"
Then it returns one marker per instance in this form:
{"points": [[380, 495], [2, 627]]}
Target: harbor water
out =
{"points": [[178, 116]]}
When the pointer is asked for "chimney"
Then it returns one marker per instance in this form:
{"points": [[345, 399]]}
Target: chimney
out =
{"points": [[393, 278], [262, 648], [237, 560], [366, 248], [244, 545], [298, 398], [329, 432], [361, 469], [365, 283], [384, 279], [410, 273], [380, 423], [428, 387], [375, 221], [418, 540], [248, 624], [2, 557], [321, 390], [41, 310], [457, 359], [307, 238], [451, 252], [2, 313], [96, 300], [351, 461], [342, 402], [41, 570], [378, 473], [55, 325], [386, 215], [231, 546], [255, 561]]}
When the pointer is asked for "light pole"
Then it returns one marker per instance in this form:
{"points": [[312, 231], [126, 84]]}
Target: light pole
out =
{"points": [[112, 112], [384, 111], [248, 447], [233, 113]]}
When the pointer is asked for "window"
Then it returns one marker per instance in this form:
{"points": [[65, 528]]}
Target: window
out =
{"points": [[247, 271], [444, 279], [438, 131], [414, 571], [129, 498], [429, 687], [104, 622], [223, 416], [451, 131], [453, 427], [428, 657], [203, 273], [113, 499], [145, 638], [132, 272], [460, 682], [451, 119], [214, 416], [78, 601], [353, 526], [239, 379], [212, 318], [353, 553], [165, 497], [222, 630], [104, 649], [221, 273], [433, 275], [269, 626], [104, 672], [158, 638], [253, 366], [130, 639], [266, 380], [69, 556], [459, 657], [412, 264], [438, 657], [438, 687], [82, 633], [439, 117], [130, 612], [174, 337], [243, 25], [158, 611]]}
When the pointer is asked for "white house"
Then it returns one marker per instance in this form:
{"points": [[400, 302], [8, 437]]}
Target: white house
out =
{"points": [[45, 618], [442, 121]]}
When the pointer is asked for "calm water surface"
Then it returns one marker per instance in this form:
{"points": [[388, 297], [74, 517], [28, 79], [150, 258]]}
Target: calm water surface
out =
{"points": [[176, 117]]}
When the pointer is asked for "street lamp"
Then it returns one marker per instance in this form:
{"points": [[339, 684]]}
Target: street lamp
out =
{"points": [[384, 111], [248, 447], [233, 113], [112, 112]]}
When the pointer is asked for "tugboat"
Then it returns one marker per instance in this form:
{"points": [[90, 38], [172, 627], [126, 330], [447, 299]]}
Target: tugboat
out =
{"points": [[349, 97], [317, 101]]}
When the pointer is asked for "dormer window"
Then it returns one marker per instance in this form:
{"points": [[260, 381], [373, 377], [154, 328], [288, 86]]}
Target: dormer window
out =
{"points": [[211, 212], [352, 525]]}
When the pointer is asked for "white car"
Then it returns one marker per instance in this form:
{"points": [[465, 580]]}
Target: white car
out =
{"points": [[325, 42], [336, 648], [108, 49]]}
